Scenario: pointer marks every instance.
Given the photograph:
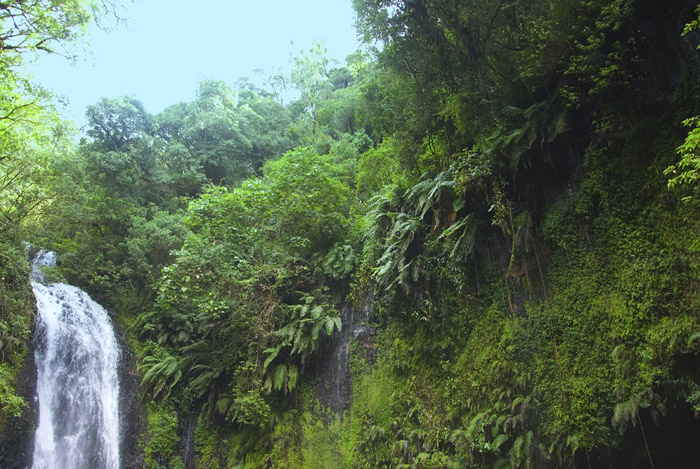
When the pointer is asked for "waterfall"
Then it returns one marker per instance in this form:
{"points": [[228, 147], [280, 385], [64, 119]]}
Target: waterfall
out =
{"points": [[77, 359]]}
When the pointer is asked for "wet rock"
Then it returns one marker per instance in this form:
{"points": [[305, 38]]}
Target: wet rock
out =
{"points": [[334, 382], [132, 411]]}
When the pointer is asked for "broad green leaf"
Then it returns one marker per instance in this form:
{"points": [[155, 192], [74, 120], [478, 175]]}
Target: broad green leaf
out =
{"points": [[499, 440], [293, 377], [279, 376], [274, 351]]}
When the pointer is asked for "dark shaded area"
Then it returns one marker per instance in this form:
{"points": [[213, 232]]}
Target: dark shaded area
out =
{"points": [[669, 441]]}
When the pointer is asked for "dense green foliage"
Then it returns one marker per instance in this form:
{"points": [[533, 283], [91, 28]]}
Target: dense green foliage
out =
{"points": [[243, 304], [512, 184]]}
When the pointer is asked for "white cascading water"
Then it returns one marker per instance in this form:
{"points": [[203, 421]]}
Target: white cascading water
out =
{"points": [[78, 387]]}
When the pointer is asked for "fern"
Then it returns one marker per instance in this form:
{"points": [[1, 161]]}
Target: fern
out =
{"points": [[426, 194], [394, 261], [273, 352], [465, 231], [279, 376], [541, 121], [204, 378], [498, 441], [292, 377], [297, 340], [161, 372], [626, 412]]}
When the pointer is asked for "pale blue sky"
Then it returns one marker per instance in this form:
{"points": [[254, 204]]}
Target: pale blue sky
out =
{"points": [[171, 45]]}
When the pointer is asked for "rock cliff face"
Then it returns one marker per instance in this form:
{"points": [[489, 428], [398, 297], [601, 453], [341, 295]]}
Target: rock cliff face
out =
{"points": [[17, 436], [132, 411], [334, 383]]}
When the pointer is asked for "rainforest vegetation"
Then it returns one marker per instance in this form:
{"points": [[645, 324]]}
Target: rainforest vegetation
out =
{"points": [[512, 188]]}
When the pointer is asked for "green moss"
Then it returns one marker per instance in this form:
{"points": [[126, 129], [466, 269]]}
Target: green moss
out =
{"points": [[162, 440], [16, 313], [11, 403], [320, 443], [206, 443]]}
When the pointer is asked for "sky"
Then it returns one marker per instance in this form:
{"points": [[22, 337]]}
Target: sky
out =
{"points": [[168, 46]]}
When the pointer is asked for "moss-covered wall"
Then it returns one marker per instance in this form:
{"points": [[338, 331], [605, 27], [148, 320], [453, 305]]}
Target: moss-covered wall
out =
{"points": [[18, 412]]}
